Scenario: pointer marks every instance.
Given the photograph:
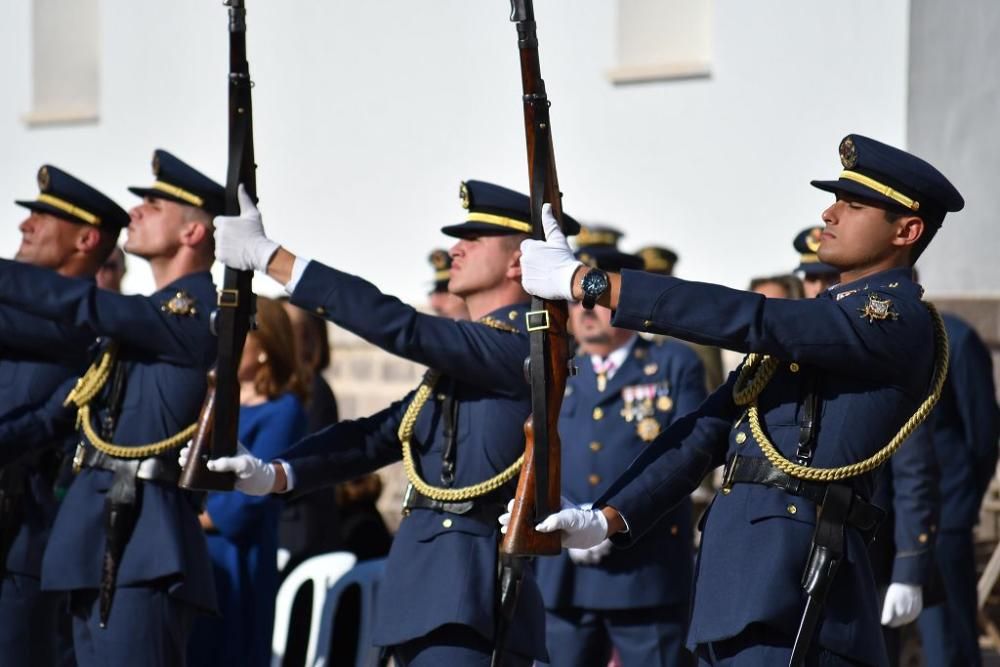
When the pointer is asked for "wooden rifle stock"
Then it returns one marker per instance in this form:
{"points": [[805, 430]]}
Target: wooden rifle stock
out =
{"points": [[196, 474], [538, 486]]}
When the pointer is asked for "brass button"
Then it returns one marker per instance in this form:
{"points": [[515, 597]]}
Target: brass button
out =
{"points": [[320, 310], [594, 480], [933, 528], [646, 324], [595, 446], [726, 490], [793, 367], [598, 414], [922, 538], [741, 437], [512, 315], [446, 523], [792, 509], [674, 529]]}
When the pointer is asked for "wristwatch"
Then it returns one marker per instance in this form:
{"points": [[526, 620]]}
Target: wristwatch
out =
{"points": [[595, 283]]}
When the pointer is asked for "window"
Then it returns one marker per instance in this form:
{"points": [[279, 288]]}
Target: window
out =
{"points": [[64, 62], [662, 40]]}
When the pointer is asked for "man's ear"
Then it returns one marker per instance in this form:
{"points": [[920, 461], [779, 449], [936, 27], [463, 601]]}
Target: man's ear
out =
{"points": [[88, 239], [514, 266], [193, 233], [909, 230]]}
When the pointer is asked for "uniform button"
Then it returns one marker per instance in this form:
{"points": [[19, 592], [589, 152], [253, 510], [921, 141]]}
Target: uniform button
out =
{"points": [[321, 311], [595, 446], [512, 315], [446, 523], [647, 324], [922, 538], [594, 480], [674, 529], [793, 367], [726, 490], [792, 509], [598, 414], [933, 528], [741, 437]]}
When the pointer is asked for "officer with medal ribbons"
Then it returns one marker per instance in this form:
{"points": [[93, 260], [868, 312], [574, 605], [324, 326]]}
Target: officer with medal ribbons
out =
{"points": [[830, 389], [459, 433], [626, 391], [71, 228], [126, 544]]}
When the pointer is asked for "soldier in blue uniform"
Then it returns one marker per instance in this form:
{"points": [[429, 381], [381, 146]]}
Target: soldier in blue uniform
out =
{"points": [[831, 383], [71, 229], [907, 490], [459, 434], [626, 391], [126, 544], [964, 428]]}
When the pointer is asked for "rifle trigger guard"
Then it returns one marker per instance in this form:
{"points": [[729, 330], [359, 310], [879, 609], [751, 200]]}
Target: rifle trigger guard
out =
{"points": [[537, 320]]}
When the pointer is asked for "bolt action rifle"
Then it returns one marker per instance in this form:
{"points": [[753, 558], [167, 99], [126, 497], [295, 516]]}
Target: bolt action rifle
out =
{"points": [[234, 318]]}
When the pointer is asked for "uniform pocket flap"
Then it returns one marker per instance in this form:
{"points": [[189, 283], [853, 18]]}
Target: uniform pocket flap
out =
{"points": [[765, 502]]}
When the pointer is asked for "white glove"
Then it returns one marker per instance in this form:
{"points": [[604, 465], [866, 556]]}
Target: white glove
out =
{"points": [[504, 519], [547, 267], [254, 477], [240, 242], [581, 528], [591, 556], [903, 603]]}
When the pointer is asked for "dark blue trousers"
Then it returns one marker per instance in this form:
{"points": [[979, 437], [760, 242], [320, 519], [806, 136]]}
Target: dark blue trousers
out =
{"points": [[452, 645], [652, 637], [27, 623], [948, 631], [146, 627]]}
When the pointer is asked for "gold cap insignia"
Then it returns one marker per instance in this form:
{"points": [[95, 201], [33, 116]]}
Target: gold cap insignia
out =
{"points": [[44, 179], [814, 238], [648, 428], [181, 304], [878, 308], [848, 153], [439, 260], [463, 194], [156, 164]]}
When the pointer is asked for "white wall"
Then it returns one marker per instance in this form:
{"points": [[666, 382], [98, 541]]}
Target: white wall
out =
{"points": [[368, 114]]}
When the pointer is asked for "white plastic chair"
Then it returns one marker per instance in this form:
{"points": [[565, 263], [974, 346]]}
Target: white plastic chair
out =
{"points": [[323, 571]]}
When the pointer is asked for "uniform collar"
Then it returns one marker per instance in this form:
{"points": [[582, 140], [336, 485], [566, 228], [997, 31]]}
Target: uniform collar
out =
{"points": [[617, 357], [512, 315], [899, 279]]}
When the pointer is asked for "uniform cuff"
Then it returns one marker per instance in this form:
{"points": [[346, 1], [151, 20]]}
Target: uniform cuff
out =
{"points": [[289, 475], [299, 267]]}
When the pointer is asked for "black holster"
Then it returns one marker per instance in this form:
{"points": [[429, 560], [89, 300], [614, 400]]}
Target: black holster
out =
{"points": [[12, 479], [121, 509], [825, 556]]}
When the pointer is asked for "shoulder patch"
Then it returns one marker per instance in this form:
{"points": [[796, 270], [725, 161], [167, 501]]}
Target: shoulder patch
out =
{"points": [[181, 304], [878, 308]]}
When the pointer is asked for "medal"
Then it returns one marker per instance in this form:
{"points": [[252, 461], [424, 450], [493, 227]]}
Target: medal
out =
{"points": [[664, 404], [648, 428], [628, 396]]}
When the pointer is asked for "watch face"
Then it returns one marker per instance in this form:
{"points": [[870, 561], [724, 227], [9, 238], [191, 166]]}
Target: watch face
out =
{"points": [[595, 282]]}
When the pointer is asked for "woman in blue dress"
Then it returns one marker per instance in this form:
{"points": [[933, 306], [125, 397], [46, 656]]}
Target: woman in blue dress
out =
{"points": [[242, 530]]}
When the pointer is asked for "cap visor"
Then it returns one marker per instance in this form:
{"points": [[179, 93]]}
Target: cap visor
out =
{"points": [[853, 188], [41, 207], [466, 229]]}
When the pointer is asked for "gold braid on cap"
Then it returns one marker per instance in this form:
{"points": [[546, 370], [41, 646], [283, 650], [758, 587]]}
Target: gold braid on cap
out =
{"points": [[87, 388], [447, 495], [757, 370]]}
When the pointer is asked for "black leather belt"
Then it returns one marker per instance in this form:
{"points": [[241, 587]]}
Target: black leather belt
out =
{"points": [[152, 469], [756, 470], [487, 508]]}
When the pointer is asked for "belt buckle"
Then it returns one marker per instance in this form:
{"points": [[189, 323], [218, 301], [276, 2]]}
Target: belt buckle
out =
{"points": [[727, 474]]}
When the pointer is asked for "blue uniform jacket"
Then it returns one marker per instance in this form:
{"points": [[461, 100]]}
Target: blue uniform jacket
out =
{"points": [[33, 384], [965, 427], [442, 568], [600, 433], [167, 356], [871, 377]]}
